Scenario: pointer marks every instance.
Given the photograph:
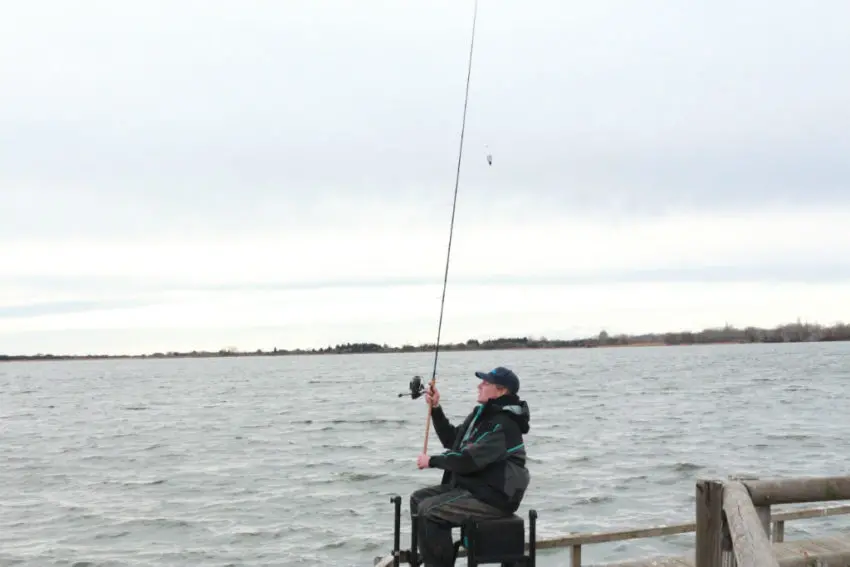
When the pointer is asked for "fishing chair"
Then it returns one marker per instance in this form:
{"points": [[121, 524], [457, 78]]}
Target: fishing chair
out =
{"points": [[498, 541]]}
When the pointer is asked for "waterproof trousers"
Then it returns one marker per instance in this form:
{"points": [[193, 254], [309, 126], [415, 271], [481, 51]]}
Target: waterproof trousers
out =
{"points": [[440, 508]]}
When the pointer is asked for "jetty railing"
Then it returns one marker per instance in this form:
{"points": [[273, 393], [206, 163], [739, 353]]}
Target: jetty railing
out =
{"points": [[577, 540], [734, 517], [735, 524]]}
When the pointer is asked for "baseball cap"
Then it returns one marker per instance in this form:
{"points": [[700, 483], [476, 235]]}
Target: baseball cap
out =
{"points": [[501, 376]]}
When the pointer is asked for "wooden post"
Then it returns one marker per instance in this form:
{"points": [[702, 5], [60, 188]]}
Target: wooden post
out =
{"points": [[750, 544], [727, 555], [779, 531], [764, 515], [763, 511], [709, 523], [575, 555]]}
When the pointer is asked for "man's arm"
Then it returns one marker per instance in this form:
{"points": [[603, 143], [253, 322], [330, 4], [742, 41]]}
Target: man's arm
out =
{"points": [[488, 448], [445, 430]]}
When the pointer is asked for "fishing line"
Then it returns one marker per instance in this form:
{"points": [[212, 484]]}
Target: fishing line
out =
{"points": [[452, 224]]}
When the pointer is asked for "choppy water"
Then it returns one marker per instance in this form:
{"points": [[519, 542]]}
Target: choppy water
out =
{"points": [[292, 460]]}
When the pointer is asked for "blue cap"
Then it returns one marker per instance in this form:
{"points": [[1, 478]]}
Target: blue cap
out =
{"points": [[501, 376]]}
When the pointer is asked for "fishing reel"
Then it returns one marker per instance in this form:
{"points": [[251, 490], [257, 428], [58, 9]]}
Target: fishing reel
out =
{"points": [[416, 388]]}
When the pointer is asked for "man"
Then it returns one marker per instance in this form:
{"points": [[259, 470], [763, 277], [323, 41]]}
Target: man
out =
{"points": [[484, 467]]}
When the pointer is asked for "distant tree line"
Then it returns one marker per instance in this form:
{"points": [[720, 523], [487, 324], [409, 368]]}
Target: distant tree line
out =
{"points": [[788, 333]]}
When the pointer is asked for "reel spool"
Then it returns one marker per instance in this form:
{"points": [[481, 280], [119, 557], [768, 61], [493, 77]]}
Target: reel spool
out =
{"points": [[417, 388]]}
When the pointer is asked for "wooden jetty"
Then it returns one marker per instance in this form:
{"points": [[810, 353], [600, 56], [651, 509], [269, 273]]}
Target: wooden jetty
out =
{"points": [[735, 525]]}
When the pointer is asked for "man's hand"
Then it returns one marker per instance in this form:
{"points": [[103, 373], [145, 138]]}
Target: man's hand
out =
{"points": [[422, 461], [432, 396]]}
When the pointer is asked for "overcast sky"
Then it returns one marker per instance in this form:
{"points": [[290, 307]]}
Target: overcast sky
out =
{"points": [[203, 174]]}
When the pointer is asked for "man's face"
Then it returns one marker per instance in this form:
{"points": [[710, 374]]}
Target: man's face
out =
{"points": [[488, 390]]}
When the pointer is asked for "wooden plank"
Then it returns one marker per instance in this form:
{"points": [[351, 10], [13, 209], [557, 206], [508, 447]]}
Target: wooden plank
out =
{"points": [[786, 551], [763, 513], [656, 561], [709, 522], [834, 552], [806, 513], [798, 490], [749, 542], [676, 529], [619, 535]]}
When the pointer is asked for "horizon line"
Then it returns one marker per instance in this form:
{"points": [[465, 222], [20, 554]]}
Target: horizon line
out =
{"points": [[714, 335]]}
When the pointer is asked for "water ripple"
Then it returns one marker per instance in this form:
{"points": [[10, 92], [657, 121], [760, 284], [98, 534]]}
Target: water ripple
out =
{"points": [[266, 461]]}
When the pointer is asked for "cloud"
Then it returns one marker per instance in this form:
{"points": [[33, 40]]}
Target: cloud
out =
{"points": [[354, 243], [557, 277], [316, 318], [59, 308], [210, 110], [161, 163]]}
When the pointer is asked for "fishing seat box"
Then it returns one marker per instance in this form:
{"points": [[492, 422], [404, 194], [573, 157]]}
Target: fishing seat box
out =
{"points": [[500, 540], [494, 541]]}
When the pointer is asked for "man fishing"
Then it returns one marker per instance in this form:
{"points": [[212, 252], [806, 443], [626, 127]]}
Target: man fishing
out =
{"points": [[484, 466]]}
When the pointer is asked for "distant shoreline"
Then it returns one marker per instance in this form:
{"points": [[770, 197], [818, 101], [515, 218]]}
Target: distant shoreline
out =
{"points": [[789, 333]]}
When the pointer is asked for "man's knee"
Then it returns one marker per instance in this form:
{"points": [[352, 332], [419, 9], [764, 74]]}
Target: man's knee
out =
{"points": [[423, 494], [428, 505], [417, 497], [455, 511]]}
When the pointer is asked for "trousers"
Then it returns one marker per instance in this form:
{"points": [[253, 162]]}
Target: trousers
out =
{"points": [[441, 508]]}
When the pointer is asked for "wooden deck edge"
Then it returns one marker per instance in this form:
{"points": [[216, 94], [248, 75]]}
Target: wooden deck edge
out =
{"points": [[816, 552], [820, 552], [649, 561]]}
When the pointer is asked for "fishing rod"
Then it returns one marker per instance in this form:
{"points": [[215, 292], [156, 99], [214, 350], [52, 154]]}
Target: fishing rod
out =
{"points": [[413, 387]]}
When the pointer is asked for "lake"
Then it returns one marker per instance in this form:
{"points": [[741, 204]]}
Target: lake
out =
{"points": [[292, 460]]}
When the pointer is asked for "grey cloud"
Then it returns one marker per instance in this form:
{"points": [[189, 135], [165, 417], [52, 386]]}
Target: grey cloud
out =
{"points": [[61, 308], [794, 272], [224, 117]]}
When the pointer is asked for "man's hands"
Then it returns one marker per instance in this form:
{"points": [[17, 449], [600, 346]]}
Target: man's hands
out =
{"points": [[432, 396]]}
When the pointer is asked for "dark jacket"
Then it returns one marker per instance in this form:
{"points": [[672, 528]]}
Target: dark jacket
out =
{"points": [[486, 454]]}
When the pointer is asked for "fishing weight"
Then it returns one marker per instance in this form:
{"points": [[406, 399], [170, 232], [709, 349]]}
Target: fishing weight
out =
{"points": [[416, 388]]}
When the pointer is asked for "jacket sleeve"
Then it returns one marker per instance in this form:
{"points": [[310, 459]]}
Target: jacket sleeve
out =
{"points": [[445, 430], [488, 448]]}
